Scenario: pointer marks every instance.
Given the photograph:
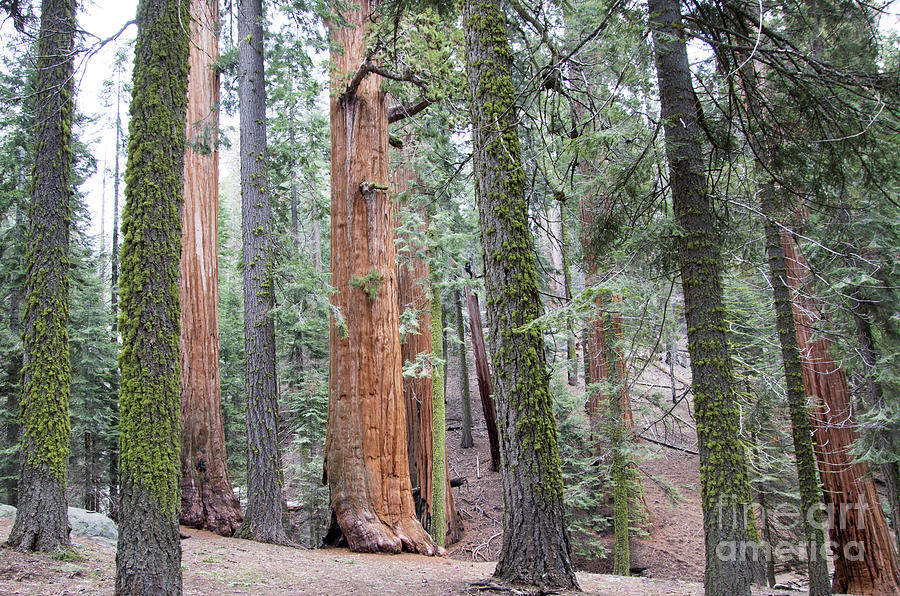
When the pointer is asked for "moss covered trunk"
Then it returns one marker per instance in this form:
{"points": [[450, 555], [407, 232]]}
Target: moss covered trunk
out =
{"points": [[535, 547], [864, 557], [725, 488], [483, 375], [41, 522], [439, 484], [366, 462], [207, 500], [263, 516], [148, 558]]}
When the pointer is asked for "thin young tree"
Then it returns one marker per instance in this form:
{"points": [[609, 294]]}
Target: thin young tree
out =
{"points": [[207, 499], [725, 487], [148, 558], [263, 516], [535, 547], [41, 522]]}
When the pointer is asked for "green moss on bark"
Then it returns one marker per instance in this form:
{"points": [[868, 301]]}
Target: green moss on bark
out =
{"points": [[150, 255], [438, 529]]}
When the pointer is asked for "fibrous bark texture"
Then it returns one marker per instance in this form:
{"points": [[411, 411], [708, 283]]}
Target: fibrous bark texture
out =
{"points": [[207, 499], [535, 547], [483, 375], [366, 461], [864, 558], [148, 558], [723, 468], [41, 523], [263, 517]]}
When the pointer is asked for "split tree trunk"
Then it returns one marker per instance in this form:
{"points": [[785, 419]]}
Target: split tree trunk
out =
{"points": [[366, 461], [483, 373], [263, 517], [207, 499], [864, 558], [723, 466], [41, 523], [535, 547], [148, 556]]}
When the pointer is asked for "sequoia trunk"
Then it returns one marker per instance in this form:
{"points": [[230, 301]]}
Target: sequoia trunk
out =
{"points": [[864, 558], [366, 462], [41, 522], [207, 500]]}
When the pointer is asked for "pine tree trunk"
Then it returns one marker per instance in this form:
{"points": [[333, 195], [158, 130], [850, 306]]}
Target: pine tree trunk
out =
{"points": [[482, 372], [535, 547], [864, 558], [263, 517], [571, 347], [207, 499], [365, 449], [723, 468], [41, 523], [464, 392], [148, 557]]}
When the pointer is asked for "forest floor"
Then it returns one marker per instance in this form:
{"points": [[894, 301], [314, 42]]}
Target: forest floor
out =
{"points": [[224, 566]]}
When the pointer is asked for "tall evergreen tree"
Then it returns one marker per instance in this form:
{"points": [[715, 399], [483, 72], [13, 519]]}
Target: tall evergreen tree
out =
{"points": [[725, 490], [148, 558], [366, 457], [263, 516], [207, 499], [41, 522], [535, 543]]}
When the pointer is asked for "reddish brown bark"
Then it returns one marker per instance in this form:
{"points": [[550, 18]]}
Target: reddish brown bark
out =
{"points": [[207, 499], [418, 392], [484, 377], [366, 461], [864, 557]]}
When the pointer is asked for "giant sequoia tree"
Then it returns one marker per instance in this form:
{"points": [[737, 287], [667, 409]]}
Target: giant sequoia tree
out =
{"points": [[41, 522], [148, 559], [723, 469], [535, 544], [365, 449], [263, 516], [207, 500]]}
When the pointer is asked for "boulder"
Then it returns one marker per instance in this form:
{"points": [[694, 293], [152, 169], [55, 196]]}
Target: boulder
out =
{"points": [[93, 525]]}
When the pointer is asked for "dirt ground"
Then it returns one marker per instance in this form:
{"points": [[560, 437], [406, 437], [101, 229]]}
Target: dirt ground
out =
{"points": [[226, 566]]}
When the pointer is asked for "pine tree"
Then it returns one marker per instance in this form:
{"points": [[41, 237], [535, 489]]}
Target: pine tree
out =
{"points": [[723, 467], [535, 547], [263, 515], [41, 521], [148, 558]]}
